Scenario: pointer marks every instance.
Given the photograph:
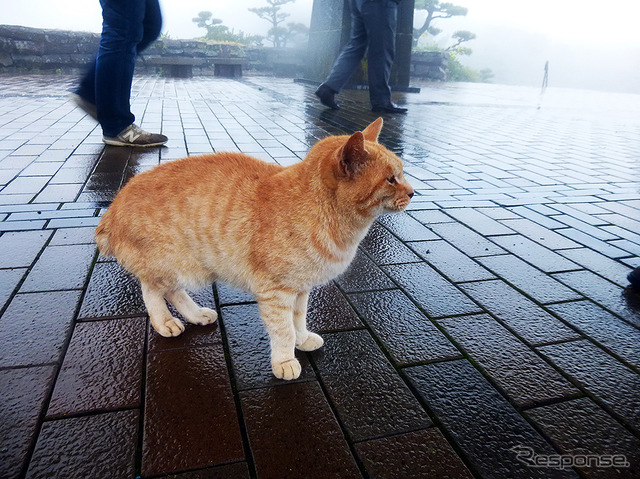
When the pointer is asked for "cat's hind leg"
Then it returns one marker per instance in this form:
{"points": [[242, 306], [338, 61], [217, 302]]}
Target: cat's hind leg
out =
{"points": [[188, 308], [159, 314], [305, 340]]}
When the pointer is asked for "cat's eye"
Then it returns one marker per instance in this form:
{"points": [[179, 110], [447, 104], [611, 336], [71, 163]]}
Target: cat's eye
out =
{"points": [[391, 179]]}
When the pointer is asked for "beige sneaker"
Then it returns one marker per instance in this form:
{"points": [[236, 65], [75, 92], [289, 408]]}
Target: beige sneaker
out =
{"points": [[133, 135]]}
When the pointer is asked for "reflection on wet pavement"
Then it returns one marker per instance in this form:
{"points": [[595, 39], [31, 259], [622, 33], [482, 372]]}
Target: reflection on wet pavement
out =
{"points": [[494, 314]]}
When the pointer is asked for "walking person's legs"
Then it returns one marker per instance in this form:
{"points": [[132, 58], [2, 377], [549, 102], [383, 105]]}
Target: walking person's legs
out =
{"points": [[128, 27], [348, 60]]}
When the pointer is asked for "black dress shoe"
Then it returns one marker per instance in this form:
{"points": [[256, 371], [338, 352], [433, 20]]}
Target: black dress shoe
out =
{"points": [[327, 97], [390, 108], [634, 278]]}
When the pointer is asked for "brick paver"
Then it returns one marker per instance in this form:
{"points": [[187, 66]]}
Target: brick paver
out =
{"points": [[493, 316]]}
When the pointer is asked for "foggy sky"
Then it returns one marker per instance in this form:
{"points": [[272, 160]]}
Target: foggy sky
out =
{"points": [[588, 44]]}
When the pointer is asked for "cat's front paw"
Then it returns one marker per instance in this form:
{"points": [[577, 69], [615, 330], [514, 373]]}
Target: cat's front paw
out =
{"points": [[313, 342], [287, 370], [172, 327], [203, 317]]}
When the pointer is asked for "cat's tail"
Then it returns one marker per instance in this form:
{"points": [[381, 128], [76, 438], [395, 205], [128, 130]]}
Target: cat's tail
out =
{"points": [[102, 236]]}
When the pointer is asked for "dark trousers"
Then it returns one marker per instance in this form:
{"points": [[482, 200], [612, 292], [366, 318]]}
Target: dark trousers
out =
{"points": [[373, 27], [128, 27]]}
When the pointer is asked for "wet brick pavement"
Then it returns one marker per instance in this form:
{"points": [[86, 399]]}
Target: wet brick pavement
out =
{"points": [[491, 317]]}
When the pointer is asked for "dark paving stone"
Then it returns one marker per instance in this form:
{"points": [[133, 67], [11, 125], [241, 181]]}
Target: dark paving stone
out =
{"points": [[60, 267], [370, 398], [239, 470], [535, 254], [479, 222], [519, 372], [250, 350], [9, 279], [35, 326], [580, 427], [22, 395], [610, 331], [612, 270], [604, 293], [611, 382], [433, 293], [384, 248], [275, 418], [406, 333], [363, 275], [406, 227], [466, 240], [112, 292], [415, 454], [190, 411], [229, 295], [540, 234], [451, 262], [24, 247], [478, 419], [102, 368], [328, 311], [526, 278], [101, 446], [527, 319]]}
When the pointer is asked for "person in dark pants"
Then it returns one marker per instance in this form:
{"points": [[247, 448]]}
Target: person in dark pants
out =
{"points": [[128, 27], [373, 28]]}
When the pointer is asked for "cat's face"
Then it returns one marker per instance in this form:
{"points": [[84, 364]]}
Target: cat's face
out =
{"points": [[368, 176]]}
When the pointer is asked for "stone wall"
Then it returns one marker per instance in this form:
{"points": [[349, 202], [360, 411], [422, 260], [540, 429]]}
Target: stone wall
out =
{"points": [[429, 65], [33, 50]]}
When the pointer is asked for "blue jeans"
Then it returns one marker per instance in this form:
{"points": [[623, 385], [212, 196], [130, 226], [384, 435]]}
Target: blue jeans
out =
{"points": [[373, 27], [128, 27]]}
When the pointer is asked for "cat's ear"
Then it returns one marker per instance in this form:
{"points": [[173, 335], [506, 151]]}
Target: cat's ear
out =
{"points": [[372, 132], [353, 155]]}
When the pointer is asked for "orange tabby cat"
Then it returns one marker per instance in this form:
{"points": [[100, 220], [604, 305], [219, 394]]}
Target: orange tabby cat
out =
{"points": [[274, 231]]}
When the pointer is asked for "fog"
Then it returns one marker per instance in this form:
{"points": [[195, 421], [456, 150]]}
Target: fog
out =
{"points": [[588, 44]]}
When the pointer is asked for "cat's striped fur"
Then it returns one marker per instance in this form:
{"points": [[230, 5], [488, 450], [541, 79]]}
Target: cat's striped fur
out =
{"points": [[271, 230]]}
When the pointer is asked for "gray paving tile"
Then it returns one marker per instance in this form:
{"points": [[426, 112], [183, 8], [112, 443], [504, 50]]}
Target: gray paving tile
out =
{"points": [[520, 373], [370, 398], [580, 427], [530, 321], [406, 333], [480, 421], [603, 292], [535, 254], [451, 262], [466, 240], [431, 291], [540, 234], [610, 382], [526, 278]]}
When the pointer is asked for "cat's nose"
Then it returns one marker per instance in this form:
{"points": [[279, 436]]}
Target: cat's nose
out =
{"points": [[410, 194]]}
